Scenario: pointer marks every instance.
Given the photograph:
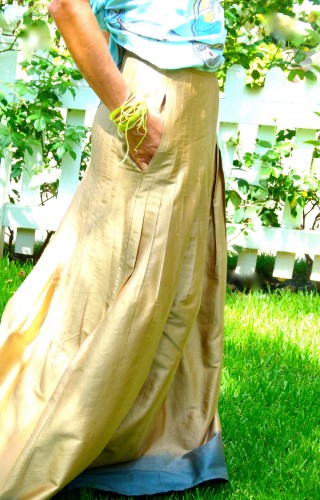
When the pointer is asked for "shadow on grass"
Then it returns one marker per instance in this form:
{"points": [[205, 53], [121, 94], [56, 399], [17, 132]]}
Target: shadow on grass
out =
{"points": [[92, 494], [269, 411]]}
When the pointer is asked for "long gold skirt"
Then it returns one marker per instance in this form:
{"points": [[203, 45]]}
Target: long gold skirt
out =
{"points": [[111, 349]]}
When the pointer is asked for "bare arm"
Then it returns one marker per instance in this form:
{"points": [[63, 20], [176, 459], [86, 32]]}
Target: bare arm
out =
{"points": [[88, 46]]}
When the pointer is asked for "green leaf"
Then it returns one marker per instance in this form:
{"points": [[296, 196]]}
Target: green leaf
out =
{"points": [[56, 145], [313, 142], [299, 57], [264, 144], [243, 186], [296, 72], [238, 215], [266, 171], [76, 75], [29, 149], [248, 159], [270, 155], [237, 248], [313, 38], [5, 141], [235, 198], [21, 88], [61, 151], [276, 172], [15, 172], [33, 117], [292, 74], [310, 75], [291, 197], [231, 230], [40, 124], [269, 218], [259, 191], [293, 212], [237, 163], [301, 201], [255, 74]]}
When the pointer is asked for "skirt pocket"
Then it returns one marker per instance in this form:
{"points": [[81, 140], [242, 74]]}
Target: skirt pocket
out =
{"points": [[150, 85], [161, 112]]}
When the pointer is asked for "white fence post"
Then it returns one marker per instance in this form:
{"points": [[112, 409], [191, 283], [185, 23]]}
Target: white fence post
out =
{"points": [[8, 65], [29, 196], [315, 274], [247, 114], [70, 168], [5, 167]]}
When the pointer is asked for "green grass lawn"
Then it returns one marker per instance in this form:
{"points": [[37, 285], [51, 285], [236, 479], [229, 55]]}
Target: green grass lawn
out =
{"points": [[269, 403]]}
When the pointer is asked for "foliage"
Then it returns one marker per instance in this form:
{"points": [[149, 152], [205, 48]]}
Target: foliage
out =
{"points": [[262, 182], [267, 33], [33, 119]]}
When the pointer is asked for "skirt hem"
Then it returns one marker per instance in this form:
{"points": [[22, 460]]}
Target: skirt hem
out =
{"points": [[151, 475]]}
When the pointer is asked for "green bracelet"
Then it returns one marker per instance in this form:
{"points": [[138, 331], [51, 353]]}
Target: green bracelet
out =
{"points": [[132, 113]]}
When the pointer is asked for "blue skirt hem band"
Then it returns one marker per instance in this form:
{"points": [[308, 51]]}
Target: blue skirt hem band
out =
{"points": [[149, 475]]}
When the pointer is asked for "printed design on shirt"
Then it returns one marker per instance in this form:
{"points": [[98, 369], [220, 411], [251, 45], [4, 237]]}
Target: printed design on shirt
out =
{"points": [[116, 18], [207, 16], [206, 13], [204, 52], [204, 20], [151, 31]]}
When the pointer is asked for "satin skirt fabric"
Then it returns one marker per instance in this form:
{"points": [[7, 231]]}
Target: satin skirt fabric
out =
{"points": [[111, 349]]}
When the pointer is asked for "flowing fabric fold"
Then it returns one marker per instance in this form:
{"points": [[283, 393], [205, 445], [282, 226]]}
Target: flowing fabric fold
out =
{"points": [[112, 369]]}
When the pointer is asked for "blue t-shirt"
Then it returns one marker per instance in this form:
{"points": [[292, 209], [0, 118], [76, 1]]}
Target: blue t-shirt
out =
{"points": [[169, 34]]}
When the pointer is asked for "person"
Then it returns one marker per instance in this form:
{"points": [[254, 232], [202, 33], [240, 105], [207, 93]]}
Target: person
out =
{"points": [[111, 349]]}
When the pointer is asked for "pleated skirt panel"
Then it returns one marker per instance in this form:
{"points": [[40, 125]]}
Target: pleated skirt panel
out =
{"points": [[111, 349]]}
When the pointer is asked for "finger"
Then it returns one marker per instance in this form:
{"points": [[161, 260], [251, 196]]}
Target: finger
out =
{"points": [[143, 165], [140, 162]]}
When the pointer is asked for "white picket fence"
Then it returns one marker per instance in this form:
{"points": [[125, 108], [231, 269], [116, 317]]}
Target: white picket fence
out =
{"points": [[260, 113], [250, 113]]}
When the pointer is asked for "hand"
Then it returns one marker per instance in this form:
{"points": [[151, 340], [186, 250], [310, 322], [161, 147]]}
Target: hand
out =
{"points": [[147, 149]]}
